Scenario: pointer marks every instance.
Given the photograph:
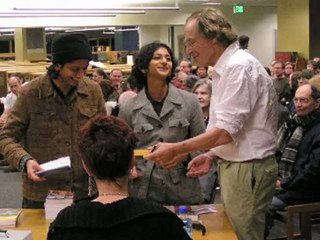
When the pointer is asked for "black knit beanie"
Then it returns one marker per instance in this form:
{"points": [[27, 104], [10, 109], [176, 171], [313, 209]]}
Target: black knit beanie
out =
{"points": [[69, 47]]}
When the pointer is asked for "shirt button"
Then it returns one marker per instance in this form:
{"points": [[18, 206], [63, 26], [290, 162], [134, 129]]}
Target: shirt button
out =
{"points": [[67, 143]]}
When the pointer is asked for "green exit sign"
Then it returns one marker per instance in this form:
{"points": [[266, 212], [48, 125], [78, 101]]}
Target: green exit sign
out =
{"points": [[238, 9]]}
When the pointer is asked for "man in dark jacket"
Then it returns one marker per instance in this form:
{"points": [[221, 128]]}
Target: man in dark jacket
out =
{"points": [[44, 123], [299, 154], [299, 144]]}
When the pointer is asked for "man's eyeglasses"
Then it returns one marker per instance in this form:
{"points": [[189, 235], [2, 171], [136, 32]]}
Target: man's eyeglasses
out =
{"points": [[301, 100], [189, 43]]}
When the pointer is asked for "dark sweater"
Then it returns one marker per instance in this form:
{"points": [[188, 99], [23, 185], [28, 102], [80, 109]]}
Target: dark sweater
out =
{"points": [[127, 219]]}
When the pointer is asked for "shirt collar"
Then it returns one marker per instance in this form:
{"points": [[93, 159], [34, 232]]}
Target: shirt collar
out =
{"points": [[48, 89], [173, 97], [221, 64]]}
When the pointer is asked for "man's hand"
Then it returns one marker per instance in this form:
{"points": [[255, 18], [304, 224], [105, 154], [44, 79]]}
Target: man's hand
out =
{"points": [[200, 165], [32, 167], [165, 155]]}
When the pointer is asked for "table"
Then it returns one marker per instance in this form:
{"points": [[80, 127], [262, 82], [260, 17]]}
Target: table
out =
{"points": [[217, 225], [34, 220]]}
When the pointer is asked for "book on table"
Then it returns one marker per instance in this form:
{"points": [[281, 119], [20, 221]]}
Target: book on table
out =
{"points": [[54, 166], [9, 216], [57, 200], [193, 211], [18, 235]]}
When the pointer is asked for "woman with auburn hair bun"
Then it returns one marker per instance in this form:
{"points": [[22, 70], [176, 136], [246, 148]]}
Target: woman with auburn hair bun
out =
{"points": [[106, 145]]}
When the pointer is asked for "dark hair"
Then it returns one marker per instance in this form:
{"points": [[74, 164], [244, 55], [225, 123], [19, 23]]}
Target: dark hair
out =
{"points": [[313, 63], [133, 83], [268, 70], [190, 81], [143, 58], [243, 39], [294, 81], [52, 72], [106, 88], [307, 74], [212, 24], [101, 72], [206, 67], [106, 145]]}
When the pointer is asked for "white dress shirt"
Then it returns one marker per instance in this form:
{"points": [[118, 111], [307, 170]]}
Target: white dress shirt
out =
{"points": [[244, 103], [9, 101]]}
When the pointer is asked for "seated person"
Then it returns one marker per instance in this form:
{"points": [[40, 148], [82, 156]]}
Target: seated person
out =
{"points": [[14, 83], [106, 145], [299, 152], [98, 75]]}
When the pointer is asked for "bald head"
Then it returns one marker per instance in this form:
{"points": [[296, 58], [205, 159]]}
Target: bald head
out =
{"points": [[14, 84]]}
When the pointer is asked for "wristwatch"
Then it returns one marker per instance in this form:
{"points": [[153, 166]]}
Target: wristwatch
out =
{"points": [[23, 163]]}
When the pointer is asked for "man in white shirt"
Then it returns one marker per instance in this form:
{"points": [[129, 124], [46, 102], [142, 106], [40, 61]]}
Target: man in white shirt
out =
{"points": [[14, 83], [242, 124]]}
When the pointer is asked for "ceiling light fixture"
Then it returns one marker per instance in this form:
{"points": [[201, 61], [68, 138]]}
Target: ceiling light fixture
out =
{"points": [[211, 3], [73, 11], [36, 15], [146, 8]]}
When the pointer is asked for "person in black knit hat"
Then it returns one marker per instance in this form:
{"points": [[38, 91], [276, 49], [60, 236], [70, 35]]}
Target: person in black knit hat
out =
{"points": [[69, 47], [46, 118]]}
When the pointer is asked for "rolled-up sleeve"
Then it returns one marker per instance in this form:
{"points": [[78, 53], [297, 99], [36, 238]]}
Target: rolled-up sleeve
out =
{"points": [[237, 100]]}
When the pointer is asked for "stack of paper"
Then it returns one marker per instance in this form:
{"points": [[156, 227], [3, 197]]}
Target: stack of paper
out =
{"points": [[58, 165], [9, 216], [202, 209], [18, 235], [56, 201]]}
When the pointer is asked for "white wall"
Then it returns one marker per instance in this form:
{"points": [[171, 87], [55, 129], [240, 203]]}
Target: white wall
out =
{"points": [[259, 24]]}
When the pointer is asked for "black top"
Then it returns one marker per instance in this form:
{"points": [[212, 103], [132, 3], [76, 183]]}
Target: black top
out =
{"points": [[127, 219]]}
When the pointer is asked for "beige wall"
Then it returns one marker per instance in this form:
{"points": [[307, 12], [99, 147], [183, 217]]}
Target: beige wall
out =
{"points": [[293, 26], [25, 53]]}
